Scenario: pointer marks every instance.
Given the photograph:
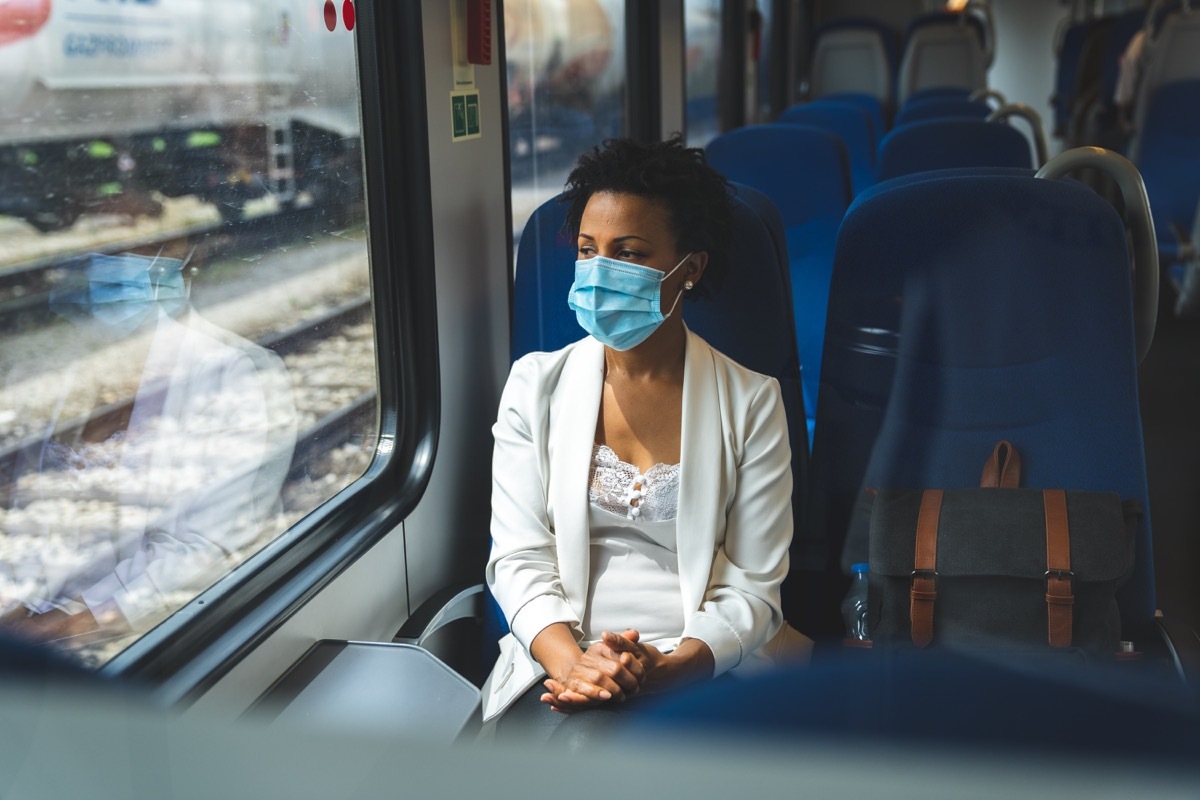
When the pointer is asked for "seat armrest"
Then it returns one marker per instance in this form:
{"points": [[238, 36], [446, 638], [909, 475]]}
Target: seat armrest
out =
{"points": [[443, 607]]}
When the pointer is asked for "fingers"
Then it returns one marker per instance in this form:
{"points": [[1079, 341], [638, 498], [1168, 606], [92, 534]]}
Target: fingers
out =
{"points": [[627, 640], [610, 666], [625, 652], [561, 699], [601, 678]]}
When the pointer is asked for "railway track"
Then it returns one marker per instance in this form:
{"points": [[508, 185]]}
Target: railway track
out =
{"points": [[25, 287], [331, 429]]}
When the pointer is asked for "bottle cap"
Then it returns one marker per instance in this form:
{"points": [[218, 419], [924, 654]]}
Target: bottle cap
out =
{"points": [[860, 567]]}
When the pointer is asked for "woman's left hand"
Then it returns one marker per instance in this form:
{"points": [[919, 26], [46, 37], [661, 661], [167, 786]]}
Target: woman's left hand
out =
{"points": [[692, 660]]}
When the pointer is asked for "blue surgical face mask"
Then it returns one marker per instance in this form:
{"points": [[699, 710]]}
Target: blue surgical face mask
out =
{"points": [[619, 303], [122, 293]]}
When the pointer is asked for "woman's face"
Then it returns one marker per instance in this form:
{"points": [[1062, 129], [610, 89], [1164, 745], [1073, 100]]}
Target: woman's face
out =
{"points": [[628, 227]]}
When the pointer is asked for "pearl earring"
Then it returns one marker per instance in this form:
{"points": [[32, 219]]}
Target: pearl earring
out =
{"points": [[687, 286]]}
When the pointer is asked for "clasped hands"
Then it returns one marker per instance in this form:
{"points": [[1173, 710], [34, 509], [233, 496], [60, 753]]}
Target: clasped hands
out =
{"points": [[611, 670]]}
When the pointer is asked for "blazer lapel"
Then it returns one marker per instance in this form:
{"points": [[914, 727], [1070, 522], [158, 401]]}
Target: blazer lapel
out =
{"points": [[574, 407], [702, 474]]}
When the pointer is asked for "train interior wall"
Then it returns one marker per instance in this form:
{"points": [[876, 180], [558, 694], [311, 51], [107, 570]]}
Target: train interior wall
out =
{"points": [[445, 539], [1024, 67]]}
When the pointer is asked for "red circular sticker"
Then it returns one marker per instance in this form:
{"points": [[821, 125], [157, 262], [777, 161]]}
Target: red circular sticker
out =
{"points": [[330, 15], [348, 14]]}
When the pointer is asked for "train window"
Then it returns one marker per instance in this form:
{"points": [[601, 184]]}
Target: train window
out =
{"points": [[702, 31], [566, 90], [188, 363]]}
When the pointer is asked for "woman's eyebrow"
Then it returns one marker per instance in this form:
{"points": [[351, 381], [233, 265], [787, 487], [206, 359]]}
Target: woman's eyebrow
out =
{"points": [[617, 239]]}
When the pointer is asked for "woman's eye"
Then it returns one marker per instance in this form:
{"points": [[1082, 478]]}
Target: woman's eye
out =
{"points": [[587, 251]]}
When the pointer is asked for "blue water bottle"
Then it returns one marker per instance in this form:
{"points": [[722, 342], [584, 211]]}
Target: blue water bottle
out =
{"points": [[854, 606]]}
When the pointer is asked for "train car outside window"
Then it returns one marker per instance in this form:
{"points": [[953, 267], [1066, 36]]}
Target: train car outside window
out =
{"points": [[702, 31], [188, 362], [566, 90]]}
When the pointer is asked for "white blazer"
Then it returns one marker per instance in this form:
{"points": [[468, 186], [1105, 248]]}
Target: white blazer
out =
{"points": [[734, 520]]}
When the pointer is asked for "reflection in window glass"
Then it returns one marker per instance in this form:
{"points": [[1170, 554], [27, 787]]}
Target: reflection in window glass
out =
{"points": [[566, 90], [702, 31], [188, 363]]}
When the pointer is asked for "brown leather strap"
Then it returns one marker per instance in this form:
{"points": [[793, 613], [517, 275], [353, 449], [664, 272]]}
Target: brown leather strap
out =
{"points": [[924, 575], [1003, 469], [1059, 595]]}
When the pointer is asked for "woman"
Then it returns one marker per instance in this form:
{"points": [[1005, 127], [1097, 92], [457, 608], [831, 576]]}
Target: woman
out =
{"points": [[641, 480]]}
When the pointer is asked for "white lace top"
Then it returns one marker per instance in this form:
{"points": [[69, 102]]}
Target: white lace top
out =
{"points": [[620, 488], [634, 566]]}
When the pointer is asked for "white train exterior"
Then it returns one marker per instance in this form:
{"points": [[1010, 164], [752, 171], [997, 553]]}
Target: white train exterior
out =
{"points": [[148, 84]]}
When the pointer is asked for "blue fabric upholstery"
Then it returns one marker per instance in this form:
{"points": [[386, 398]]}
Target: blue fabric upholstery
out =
{"points": [[935, 108], [866, 102], [1169, 160], [950, 143], [967, 308], [803, 170], [749, 317], [940, 702], [848, 122]]}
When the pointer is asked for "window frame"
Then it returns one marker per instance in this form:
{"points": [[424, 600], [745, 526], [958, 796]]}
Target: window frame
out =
{"points": [[189, 651]]}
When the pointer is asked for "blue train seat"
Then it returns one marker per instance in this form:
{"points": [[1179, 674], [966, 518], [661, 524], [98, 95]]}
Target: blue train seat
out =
{"points": [[749, 318], [868, 103], [951, 143], [939, 108], [848, 122], [968, 307], [804, 171], [1166, 125], [938, 702], [1167, 153], [854, 55], [944, 49]]}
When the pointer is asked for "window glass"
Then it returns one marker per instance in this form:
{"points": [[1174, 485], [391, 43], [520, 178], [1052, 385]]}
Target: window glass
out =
{"points": [[702, 31], [566, 90], [187, 364]]}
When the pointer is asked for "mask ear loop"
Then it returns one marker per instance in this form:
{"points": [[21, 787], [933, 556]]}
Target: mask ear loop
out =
{"points": [[680, 294], [187, 284], [150, 273]]}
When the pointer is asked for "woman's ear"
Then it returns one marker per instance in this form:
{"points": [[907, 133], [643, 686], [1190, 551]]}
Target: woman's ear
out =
{"points": [[694, 268]]}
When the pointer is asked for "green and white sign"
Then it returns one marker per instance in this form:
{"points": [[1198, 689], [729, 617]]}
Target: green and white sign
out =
{"points": [[464, 115]]}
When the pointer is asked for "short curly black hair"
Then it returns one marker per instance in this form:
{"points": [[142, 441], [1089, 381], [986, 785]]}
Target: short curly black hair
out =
{"points": [[696, 196]]}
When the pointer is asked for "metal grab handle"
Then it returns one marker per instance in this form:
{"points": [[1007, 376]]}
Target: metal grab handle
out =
{"points": [[984, 12], [1141, 224], [987, 93], [1034, 119]]}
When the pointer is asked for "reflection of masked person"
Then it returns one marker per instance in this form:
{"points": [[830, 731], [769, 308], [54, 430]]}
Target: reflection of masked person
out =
{"points": [[192, 481], [123, 292]]}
